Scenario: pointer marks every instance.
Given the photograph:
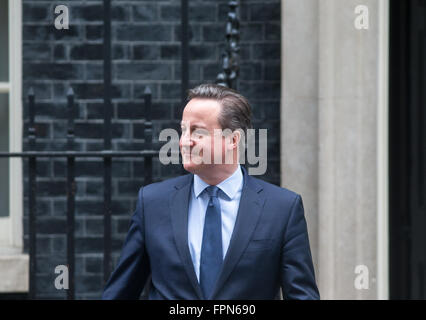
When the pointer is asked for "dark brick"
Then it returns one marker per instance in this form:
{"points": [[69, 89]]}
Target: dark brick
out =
{"points": [[43, 206], [89, 283], [120, 52], [129, 187], [122, 224], [49, 71], [267, 51], [194, 71], [56, 111], [273, 71], [130, 110], [89, 207], [43, 242], [170, 52], [94, 71], [79, 226], [94, 226], [89, 130], [36, 51], [203, 52], [143, 71], [202, 13], [94, 32], [88, 244], [51, 188], [47, 264], [120, 169], [210, 71], [251, 32], [196, 13], [251, 71], [87, 12], [87, 52], [194, 33], [170, 90], [121, 207], [91, 90], [120, 13], [213, 33], [94, 188], [265, 11], [59, 52], [59, 245], [260, 90], [34, 12], [146, 52], [51, 225], [273, 31], [145, 12], [94, 264], [49, 32], [170, 13], [154, 32]]}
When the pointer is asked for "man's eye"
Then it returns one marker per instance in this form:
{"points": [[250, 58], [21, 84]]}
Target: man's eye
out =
{"points": [[199, 133]]}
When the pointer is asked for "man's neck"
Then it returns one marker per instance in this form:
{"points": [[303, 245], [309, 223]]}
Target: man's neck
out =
{"points": [[220, 175]]}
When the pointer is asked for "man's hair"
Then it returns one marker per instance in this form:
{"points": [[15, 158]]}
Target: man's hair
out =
{"points": [[235, 110]]}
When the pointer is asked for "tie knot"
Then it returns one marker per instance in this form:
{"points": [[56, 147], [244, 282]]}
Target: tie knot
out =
{"points": [[212, 191]]}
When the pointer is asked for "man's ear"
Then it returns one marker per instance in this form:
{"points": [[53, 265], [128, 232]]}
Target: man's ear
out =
{"points": [[236, 137]]}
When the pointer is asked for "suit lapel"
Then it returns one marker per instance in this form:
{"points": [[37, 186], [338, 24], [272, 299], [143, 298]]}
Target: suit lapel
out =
{"points": [[249, 211], [179, 203]]}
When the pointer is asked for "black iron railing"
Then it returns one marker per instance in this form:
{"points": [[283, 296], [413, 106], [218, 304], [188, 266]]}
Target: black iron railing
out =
{"points": [[227, 77], [71, 156]]}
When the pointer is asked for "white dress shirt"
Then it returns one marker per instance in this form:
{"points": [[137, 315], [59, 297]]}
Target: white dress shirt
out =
{"points": [[229, 197]]}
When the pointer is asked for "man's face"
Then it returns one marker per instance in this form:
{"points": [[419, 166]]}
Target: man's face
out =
{"points": [[198, 138]]}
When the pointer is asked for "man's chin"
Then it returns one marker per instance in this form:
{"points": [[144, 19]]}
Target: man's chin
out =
{"points": [[193, 167]]}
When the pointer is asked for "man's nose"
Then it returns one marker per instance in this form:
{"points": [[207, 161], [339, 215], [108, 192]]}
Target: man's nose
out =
{"points": [[186, 141]]}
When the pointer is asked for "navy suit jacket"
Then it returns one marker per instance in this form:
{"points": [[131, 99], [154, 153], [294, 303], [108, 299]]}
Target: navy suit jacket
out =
{"points": [[269, 247]]}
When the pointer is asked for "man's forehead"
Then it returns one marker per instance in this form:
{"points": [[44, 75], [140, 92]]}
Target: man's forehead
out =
{"points": [[201, 113]]}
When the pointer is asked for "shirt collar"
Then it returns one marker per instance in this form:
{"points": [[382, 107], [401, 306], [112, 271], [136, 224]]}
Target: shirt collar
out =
{"points": [[229, 186]]}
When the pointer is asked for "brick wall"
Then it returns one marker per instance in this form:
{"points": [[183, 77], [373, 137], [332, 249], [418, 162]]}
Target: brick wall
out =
{"points": [[146, 51]]}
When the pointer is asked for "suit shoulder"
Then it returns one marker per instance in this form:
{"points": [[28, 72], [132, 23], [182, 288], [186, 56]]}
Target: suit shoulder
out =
{"points": [[276, 192], [164, 187]]}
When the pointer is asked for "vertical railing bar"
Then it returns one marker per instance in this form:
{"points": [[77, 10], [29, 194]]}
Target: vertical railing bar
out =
{"points": [[148, 136], [184, 57], [107, 138], [147, 160], [70, 197], [32, 243], [184, 51], [230, 57]]}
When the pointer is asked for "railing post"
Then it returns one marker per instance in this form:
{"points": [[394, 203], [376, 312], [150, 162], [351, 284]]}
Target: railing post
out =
{"points": [[148, 136], [230, 58], [107, 138], [184, 51], [71, 188], [32, 243]]}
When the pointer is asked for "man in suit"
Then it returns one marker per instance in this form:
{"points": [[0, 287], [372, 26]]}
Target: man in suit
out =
{"points": [[216, 233]]}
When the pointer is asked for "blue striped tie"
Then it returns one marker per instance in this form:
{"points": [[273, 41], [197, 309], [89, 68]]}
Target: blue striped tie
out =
{"points": [[211, 249]]}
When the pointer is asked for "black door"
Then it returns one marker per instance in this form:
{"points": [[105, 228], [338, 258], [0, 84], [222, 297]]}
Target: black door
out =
{"points": [[407, 149]]}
